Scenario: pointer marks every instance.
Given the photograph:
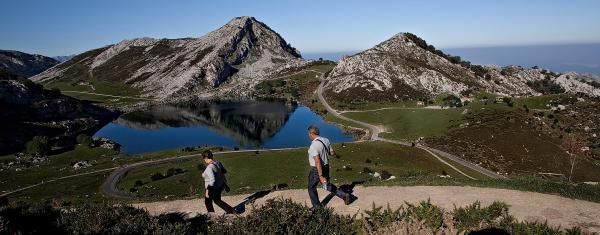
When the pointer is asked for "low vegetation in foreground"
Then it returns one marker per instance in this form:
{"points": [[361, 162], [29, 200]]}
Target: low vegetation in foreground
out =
{"points": [[279, 216]]}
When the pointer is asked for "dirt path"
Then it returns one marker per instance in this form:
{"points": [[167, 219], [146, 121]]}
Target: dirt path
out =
{"points": [[388, 108], [114, 96], [528, 206]]}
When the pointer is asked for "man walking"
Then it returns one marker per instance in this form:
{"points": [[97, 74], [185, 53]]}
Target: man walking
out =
{"points": [[318, 158]]}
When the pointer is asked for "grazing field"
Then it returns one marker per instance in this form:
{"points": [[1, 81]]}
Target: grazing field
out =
{"points": [[95, 86], [99, 87], [251, 172], [323, 68], [410, 124], [79, 190], [96, 98], [56, 166]]}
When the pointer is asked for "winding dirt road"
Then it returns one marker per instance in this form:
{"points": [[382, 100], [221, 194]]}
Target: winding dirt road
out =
{"points": [[375, 130], [114, 96], [525, 206]]}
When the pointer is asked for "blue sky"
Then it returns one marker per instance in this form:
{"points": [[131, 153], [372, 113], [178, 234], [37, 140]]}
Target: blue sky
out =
{"points": [[64, 27]]}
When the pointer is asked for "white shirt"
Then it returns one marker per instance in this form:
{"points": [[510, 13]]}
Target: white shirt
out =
{"points": [[214, 175], [317, 148]]}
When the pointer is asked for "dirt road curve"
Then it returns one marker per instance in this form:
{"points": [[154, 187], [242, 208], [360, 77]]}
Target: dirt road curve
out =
{"points": [[524, 205], [375, 130]]}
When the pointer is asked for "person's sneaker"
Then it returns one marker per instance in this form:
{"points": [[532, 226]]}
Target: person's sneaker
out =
{"points": [[347, 199]]}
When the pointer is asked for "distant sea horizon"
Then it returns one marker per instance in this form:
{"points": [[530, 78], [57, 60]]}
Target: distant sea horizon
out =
{"points": [[582, 58]]}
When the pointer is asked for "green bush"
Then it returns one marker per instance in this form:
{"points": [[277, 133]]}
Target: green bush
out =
{"points": [[157, 176], [26, 219], [84, 139], [546, 87], [379, 218], [105, 219], [283, 216], [278, 216], [385, 175], [452, 101], [471, 217], [38, 145], [425, 212]]}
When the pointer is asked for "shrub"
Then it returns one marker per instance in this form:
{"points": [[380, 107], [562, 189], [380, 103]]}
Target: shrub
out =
{"points": [[25, 219], [157, 176], [385, 175], [379, 217], [367, 170], [106, 219], [452, 101], [276, 216], [546, 87], [472, 216], [170, 172], [283, 216], [38, 145], [84, 140], [138, 183], [425, 212]]}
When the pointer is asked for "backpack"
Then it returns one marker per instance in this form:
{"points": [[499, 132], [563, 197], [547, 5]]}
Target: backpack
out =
{"points": [[221, 169]]}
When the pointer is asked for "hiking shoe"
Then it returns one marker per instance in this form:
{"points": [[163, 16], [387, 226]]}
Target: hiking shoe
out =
{"points": [[347, 199]]}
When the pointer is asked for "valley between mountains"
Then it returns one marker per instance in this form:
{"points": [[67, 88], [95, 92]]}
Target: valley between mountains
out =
{"points": [[418, 117]]}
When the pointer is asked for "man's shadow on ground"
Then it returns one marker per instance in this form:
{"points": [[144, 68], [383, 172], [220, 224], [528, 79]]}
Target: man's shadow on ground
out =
{"points": [[347, 188], [241, 208]]}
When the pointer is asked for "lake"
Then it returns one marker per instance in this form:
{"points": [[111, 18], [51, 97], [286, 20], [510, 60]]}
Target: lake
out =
{"points": [[247, 125]]}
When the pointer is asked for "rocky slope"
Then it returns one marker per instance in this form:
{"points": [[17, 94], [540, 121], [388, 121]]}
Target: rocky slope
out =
{"points": [[63, 58], [224, 62], [24, 64], [406, 67], [29, 110]]}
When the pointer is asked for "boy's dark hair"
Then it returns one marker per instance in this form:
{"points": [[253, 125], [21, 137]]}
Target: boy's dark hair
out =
{"points": [[207, 154]]}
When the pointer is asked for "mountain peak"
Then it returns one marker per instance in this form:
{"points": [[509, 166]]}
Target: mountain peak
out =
{"points": [[242, 20], [243, 51]]}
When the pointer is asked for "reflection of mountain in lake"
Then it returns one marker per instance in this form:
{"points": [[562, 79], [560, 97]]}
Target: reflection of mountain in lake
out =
{"points": [[248, 122]]}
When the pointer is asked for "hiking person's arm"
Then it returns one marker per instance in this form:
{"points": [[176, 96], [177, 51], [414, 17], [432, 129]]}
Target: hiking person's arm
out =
{"points": [[317, 159], [209, 178]]}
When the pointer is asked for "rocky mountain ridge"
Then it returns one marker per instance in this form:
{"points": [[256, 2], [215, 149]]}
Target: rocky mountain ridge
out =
{"points": [[406, 67], [24, 64], [223, 62]]}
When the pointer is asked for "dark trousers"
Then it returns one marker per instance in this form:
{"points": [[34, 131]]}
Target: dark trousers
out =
{"points": [[214, 195], [314, 181]]}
